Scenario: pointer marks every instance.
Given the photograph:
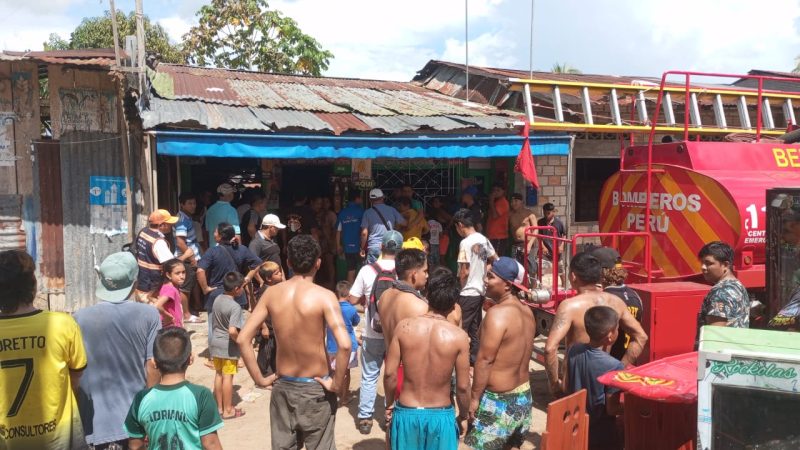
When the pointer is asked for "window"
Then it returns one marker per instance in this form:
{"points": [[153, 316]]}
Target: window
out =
{"points": [[590, 174]]}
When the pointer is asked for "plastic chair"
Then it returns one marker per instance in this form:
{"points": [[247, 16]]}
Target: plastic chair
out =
{"points": [[567, 424]]}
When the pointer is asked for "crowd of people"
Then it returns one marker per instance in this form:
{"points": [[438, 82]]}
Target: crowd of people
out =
{"points": [[454, 370]]}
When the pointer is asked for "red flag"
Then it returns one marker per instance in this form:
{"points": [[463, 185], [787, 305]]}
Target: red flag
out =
{"points": [[525, 164]]}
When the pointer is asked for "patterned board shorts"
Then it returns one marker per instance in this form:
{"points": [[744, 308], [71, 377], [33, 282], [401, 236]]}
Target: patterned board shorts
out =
{"points": [[502, 419]]}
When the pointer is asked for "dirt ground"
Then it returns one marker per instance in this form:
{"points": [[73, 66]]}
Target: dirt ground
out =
{"points": [[252, 432]]}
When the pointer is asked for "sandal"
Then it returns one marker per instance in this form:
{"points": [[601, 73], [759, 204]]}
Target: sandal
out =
{"points": [[236, 414], [365, 426], [194, 319]]}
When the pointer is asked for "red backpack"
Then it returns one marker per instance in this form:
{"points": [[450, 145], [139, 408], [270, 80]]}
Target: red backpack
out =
{"points": [[383, 281]]}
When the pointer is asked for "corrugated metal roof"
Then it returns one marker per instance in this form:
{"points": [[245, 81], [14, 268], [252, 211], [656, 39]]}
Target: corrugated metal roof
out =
{"points": [[103, 57], [342, 122], [191, 97], [345, 98], [279, 119], [387, 124], [255, 93], [302, 98], [189, 114]]}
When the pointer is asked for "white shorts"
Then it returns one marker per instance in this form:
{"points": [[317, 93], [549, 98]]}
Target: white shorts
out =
{"points": [[350, 365]]}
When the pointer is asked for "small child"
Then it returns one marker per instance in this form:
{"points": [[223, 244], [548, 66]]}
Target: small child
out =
{"points": [[351, 319], [435, 230], [585, 363], [271, 274], [174, 410], [227, 319], [168, 300]]}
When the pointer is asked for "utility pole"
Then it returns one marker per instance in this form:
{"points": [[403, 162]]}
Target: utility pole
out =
{"points": [[114, 31], [140, 47], [466, 46]]}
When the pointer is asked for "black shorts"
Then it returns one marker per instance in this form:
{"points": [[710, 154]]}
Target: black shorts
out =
{"points": [[191, 278], [353, 260]]}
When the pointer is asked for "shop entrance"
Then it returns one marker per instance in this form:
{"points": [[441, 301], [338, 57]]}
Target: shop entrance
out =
{"points": [[305, 180]]}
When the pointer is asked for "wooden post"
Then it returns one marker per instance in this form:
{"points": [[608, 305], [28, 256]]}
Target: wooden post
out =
{"points": [[114, 31]]}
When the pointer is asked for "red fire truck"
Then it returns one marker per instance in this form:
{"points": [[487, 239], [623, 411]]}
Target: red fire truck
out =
{"points": [[669, 199]]}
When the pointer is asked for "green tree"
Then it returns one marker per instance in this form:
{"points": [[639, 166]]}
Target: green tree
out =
{"points": [[95, 32], [564, 68], [246, 34]]}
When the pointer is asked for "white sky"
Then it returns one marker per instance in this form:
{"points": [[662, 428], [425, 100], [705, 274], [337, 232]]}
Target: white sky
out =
{"points": [[384, 39]]}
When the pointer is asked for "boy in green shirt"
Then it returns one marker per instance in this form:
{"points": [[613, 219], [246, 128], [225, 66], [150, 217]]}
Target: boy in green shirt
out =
{"points": [[173, 412]]}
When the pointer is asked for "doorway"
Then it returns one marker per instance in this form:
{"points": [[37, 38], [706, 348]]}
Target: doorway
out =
{"points": [[304, 180]]}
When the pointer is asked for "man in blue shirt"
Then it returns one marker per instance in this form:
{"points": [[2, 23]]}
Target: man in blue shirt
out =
{"points": [[222, 211], [348, 234], [376, 221]]}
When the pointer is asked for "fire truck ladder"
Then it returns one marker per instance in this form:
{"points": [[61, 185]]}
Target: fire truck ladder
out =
{"points": [[733, 107]]}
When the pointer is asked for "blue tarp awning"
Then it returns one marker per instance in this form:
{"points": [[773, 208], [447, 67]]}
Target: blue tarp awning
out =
{"points": [[242, 145]]}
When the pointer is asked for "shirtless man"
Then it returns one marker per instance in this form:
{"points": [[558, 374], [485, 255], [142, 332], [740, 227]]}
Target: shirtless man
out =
{"points": [[453, 316], [585, 274], [404, 299], [430, 347], [500, 408], [303, 403]]}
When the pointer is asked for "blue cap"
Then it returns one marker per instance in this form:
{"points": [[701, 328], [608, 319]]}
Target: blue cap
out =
{"points": [[509, 270]]}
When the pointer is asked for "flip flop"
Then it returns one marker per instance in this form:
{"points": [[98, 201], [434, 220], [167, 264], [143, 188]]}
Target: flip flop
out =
{"points": [[194, 319], [236, 414]]}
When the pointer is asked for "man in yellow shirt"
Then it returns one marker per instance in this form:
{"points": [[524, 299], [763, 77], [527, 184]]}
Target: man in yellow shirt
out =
{"points": [[417, 225], [41, 359]]}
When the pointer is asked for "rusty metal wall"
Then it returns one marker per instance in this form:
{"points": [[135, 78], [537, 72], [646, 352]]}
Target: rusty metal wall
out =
{"points": [[84, 154], [51, 251], [12, 236]]}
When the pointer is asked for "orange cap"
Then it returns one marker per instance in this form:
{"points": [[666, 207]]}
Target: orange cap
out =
{"points": [[160, 216]]}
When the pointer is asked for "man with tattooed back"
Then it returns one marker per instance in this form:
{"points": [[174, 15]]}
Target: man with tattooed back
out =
{"points": [[585, 273]]}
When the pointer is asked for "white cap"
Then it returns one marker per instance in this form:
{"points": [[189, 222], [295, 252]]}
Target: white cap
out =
{"points": [[271, 220], [375, 193], [225, 189]]}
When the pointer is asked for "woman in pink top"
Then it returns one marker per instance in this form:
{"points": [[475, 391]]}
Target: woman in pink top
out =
{"points": [[168, 301]]}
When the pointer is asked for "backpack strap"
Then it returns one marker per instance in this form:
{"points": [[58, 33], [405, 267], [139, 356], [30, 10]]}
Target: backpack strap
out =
{"points": [[383, 219]]}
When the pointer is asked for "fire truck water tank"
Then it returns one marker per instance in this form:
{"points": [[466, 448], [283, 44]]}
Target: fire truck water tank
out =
{"points": [[701, 192]]}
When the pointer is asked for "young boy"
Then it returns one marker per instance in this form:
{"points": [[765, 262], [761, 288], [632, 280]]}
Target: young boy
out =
{"points": [[271, 274], [227, 319], [173, 413], [585, 363], [351, 319]]}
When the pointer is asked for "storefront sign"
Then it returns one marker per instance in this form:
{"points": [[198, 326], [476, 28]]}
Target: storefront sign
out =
{"points": [[364, 184], [362, 169], [754, 368]]}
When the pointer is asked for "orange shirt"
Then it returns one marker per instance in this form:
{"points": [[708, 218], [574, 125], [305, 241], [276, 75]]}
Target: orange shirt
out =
{"points": [[497, 228]]}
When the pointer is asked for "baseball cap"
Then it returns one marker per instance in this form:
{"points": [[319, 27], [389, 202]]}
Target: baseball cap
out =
{"points": [[392, 240], [271, 220], [375, 193], [471, 190], [225, 188], [608, 257], [509, 270], [160, 216], [413, 242], [117, 275]]}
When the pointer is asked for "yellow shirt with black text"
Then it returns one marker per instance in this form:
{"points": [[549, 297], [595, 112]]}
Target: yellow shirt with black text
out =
{"points": [[37, 406]]}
